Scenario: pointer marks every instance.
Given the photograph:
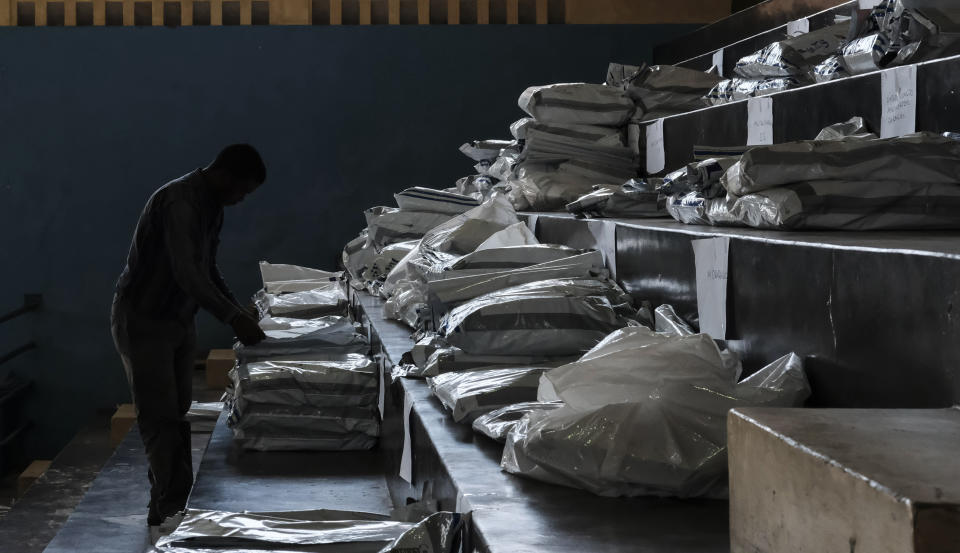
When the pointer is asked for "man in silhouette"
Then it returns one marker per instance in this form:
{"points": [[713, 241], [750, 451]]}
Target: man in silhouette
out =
{"points": [[171, 271]]}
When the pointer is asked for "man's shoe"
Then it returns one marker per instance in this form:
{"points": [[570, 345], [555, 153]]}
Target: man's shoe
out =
{"points": [[170, 523]]}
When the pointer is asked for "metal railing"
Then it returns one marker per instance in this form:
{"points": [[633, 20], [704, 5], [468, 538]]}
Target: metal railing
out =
{"points": [[31, 302]]}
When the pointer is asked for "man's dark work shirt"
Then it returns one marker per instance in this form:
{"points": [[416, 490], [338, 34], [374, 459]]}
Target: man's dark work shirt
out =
{"points": [[172, 265]]}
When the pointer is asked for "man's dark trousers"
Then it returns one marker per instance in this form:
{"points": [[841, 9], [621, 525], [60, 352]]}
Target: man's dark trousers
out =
{"points": [[158, 357]]}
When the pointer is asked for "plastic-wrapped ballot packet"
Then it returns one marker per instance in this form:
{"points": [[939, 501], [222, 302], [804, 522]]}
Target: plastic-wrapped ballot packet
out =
{"points": [[829, 69], [384, 262], [388, 225], [635, 199], [546, 318], [456, 237], [732, 90], [203, 416], [544, 188], [478, 187], [577, 103], [442, 532], [301, 338], [919, 158], [485, 150], [452, 359], [282, 279], [662, 90], [318, 531], [793, 56], [689, 208], [341, 380], [356, 258], [470, 394], [644, 414], [429, 200], [320, 302], [497, 424], [281, 428]]}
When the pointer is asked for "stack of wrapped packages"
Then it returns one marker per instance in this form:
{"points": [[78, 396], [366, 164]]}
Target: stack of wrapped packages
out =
{"points": [[310, 384], [846, 178], [888, 35], [392, 232]]}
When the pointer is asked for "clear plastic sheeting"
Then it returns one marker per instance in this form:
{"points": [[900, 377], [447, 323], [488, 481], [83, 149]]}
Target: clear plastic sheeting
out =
{"points": [[442, 532], [577, 103], [644, 414], [662, 90], [316, 531], [635, 199], [319, 302], [470, 394], [320, 404], [498, 423], [388, 225], [279, 279], [549, 318], [434, 201], [295, 338]]}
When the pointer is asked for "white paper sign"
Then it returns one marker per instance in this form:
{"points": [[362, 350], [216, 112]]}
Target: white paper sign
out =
{"points": [[605, 234], [710, 260], [656, 160], [798, 27], [868, 4], [532, 222], [383, 384], [759, 121], [463, 505], [406, 458], [898, 90], [717, 61]]}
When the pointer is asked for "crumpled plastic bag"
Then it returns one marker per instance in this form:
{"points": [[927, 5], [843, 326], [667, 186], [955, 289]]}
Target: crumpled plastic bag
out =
{"points": [[497, 424], [470, 394], [388, 225], [485, 150], [634, 199], [548, 318], [577, 103], [644, 414], [295, 338], [319, 531], [429, 200]]}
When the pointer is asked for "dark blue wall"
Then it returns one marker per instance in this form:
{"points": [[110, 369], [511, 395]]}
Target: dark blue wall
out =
{"points": [[92, 120]]}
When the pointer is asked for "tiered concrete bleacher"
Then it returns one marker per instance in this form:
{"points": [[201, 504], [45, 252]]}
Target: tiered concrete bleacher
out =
{"points": [[884, 481]]}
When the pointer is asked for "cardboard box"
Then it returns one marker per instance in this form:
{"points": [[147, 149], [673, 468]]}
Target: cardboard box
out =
{"points": [[219, 363], [30, 475], [121, 422]]}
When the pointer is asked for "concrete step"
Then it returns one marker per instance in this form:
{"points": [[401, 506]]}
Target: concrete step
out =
{"points": [[849, 303], [833, 480]]}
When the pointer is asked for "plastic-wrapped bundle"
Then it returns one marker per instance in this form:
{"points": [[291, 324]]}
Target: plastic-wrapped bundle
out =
{"points": [[498, 424], [549, 318], [203, 416], [732, 90], [442, 532], [644, 414], [635, 199], [281, 279], [388, 225], [454, 290], [448, 241], [434, 201], [546, 189], [793, 56], [577, 103], [476, 186], [274, 428], [470, 394], [345, 381], [829, 69], [296, 338], [319, 302], [320, 530], [662, 90], [512, 257], [485, 150], [356, 258], [922, 158]]}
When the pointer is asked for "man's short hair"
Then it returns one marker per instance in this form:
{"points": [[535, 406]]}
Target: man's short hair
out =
{"points": [[241, 161]]}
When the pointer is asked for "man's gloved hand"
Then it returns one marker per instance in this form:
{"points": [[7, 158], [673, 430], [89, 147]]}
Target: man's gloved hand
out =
{"points": [[247, 329]]}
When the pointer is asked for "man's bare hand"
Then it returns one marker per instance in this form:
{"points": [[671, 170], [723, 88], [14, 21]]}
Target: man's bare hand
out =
{"points": [[247, 329]]}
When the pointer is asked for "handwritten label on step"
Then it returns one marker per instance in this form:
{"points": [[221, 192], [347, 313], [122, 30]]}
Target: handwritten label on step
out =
{"points": [[717, 61], [710, 261], [406, 457], [868, 4], [898, 90], [759, 121], [656, 159], [798, 27]]}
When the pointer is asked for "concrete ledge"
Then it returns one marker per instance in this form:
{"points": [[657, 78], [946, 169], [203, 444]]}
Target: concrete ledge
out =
{"points": [[871, 480]]}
